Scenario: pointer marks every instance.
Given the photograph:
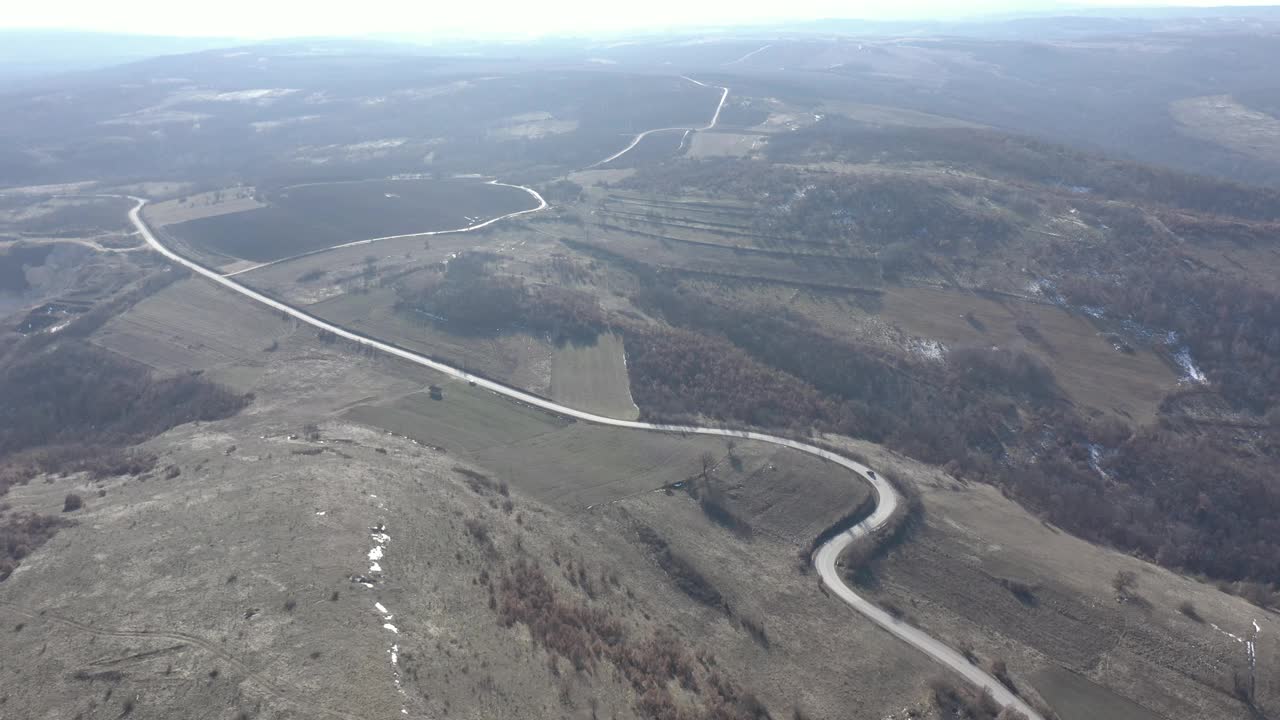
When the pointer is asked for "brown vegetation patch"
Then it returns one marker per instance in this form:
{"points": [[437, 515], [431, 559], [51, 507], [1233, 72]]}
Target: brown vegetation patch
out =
{"points": [[670, 682], [21, 534]]}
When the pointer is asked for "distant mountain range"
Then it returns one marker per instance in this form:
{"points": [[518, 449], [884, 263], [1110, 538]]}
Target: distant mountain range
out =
{"points": [[31, 53]]}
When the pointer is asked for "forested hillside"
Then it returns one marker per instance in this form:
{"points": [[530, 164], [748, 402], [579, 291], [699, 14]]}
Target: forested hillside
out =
{"points": [[1147, 255]]}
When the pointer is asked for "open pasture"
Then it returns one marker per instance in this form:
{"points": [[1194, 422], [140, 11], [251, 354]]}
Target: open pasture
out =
{"points": [[527, 448]]}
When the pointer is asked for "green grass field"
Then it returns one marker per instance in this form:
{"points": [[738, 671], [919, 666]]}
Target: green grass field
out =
{"points": [[1075, 697], [573, 465], [593, 378]]}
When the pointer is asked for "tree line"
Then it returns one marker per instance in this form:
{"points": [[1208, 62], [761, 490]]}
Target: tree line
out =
{"points": [[70, 407]]}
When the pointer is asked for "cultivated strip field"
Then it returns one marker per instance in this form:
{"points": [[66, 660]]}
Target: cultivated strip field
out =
{"points": [[594, 377], [188, 329]]}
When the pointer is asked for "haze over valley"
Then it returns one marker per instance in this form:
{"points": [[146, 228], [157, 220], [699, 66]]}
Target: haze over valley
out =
{"points": [[909, 366]]}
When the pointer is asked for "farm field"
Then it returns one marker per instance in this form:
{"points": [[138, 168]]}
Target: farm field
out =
{"points": [[517, 358], [720, 144], [715, 255], [527, 447], [63, 217], [192, 325], [593, 378], [202, 205], [1221, 119], [310, 217], [713, 244], [1087, 366], [1081, 699]]}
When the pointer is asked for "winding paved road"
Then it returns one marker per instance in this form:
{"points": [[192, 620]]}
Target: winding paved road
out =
{"points": [[715, 118], [825, 559]]}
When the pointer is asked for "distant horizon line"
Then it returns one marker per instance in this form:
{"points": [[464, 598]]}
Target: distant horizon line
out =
{"points": [[1153, 11]]}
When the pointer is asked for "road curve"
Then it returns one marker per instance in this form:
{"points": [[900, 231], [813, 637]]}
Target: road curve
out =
{"points": [[887, 498], [715, 118], [542, 205]]}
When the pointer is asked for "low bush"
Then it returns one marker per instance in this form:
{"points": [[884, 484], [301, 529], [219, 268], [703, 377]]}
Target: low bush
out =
{"points": [[963, 702], [1186, 607], [72, 502], [21, 534]]}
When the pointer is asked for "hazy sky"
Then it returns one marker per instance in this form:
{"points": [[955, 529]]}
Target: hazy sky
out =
{"points": [[279, 18]]}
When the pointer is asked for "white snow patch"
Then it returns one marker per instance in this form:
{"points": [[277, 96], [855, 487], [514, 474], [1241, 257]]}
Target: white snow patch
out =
{"points": [[381, 608], [320, 513], [376, 553], [382, 144], [375, 568], [1191, 373], [1224, 632], [392, 628], [242, 95], [929, 349], [268, 125], [1095, 460]]}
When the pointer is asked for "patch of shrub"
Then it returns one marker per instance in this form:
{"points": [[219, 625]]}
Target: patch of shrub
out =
{"points": [[1023, 591], [755, 627], [963, 702], [479, 532], [468, 298], [21, 534], [480, 483], [72, 502], [651, 664], [717, 506], [1000, 671], [1188, 608]]}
